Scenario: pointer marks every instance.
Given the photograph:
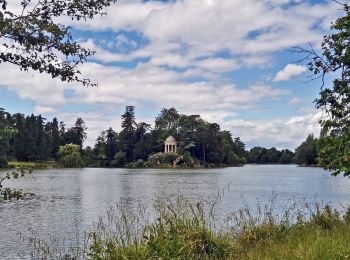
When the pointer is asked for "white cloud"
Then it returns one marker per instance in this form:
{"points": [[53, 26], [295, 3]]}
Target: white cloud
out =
{"points": [[289, 71], [295, 100], [44, 109], [40, 88], [280, 132], [248, 30]]}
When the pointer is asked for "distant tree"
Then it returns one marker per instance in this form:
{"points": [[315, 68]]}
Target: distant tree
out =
{"points": [[76, 134], [69, 156], [20, 137], [100, 147], [141, 130], [202, 140], [6, 131], [186, 132], [41, 139], [306, 153], [142, 146], [255, 154], [127, 135], [286, 157], [55, 138], [239, 148], [32, 37], [88, 156], [273, 155], [62, 132], [30, 142], [166, 123], [111, 143]]}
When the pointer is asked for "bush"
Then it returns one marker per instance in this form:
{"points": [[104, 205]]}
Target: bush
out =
{"points": [[138, 164], [188, 159], [169, 158], [69, 156], [161, 159], [234, 160]]}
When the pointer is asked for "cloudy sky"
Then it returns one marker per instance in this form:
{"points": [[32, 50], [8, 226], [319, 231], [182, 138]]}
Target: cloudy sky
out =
{"points": [[227, 60]]}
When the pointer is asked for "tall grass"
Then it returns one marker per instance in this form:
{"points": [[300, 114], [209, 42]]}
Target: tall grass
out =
{"points": [[185, 230]]}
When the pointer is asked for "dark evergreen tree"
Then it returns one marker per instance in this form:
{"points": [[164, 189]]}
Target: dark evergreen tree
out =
{"points": [[127, 135], [41, 152], [306, 153], [29, 142], [20, 138], [55, 138], [6, 131], [111, 143], [76, 134]]}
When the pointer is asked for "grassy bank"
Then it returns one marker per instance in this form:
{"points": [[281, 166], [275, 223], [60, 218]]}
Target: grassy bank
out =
{"points": [[33, 165], [184, 231]]}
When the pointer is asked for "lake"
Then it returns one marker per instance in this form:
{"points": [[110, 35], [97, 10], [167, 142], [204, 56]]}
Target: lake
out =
{"points": [[65, 197]]}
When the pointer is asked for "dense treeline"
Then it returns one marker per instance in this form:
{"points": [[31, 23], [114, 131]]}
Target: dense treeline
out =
{"points": [[198, 140], [30, 138], [260, 155], [305, 154]]}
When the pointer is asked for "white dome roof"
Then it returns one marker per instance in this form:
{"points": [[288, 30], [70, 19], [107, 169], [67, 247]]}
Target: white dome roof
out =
{"points": [[170, 139]]}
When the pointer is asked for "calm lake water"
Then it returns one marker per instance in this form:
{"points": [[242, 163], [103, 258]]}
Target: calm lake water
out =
{"points": [[68, 196]]}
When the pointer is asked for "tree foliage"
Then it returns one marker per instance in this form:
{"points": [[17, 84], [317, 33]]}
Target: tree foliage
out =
{"points": [[306, 153], [32, 38], [261, 155], [69, 156], [31, 138], [334, 99]]}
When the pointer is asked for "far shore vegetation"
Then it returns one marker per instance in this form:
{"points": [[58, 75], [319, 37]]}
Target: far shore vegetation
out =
{"points": [[31, 142]]}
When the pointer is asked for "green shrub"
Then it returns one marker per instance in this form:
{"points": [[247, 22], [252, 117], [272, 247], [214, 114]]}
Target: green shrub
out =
{"points": [[234, 160], [188, 159], [69, 156], [169, 158], [138, 164]]}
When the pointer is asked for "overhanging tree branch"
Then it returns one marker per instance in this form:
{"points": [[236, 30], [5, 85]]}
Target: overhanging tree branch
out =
{"points": [[34, 40]]}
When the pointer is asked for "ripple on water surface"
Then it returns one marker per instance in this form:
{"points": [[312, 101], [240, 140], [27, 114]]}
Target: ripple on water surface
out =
{"points": [[65, 197]]}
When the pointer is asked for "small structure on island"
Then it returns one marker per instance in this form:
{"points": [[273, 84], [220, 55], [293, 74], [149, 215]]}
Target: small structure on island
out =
{"points": [[170, 145]]}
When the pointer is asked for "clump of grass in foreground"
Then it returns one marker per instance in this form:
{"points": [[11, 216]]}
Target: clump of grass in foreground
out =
{"points": [[185, 231], [181, 231]]}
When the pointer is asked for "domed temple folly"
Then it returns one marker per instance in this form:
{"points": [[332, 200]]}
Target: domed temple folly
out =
{"points": [[170, 145]]}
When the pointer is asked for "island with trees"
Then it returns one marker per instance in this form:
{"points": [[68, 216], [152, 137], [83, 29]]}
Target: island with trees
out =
{"points": [[198, 143]]}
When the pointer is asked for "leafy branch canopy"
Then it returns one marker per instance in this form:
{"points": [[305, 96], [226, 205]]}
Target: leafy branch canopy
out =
{"points": [[32, 37]]}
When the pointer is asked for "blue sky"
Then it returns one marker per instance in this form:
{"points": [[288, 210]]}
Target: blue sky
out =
{"points": [[227, 60]]}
